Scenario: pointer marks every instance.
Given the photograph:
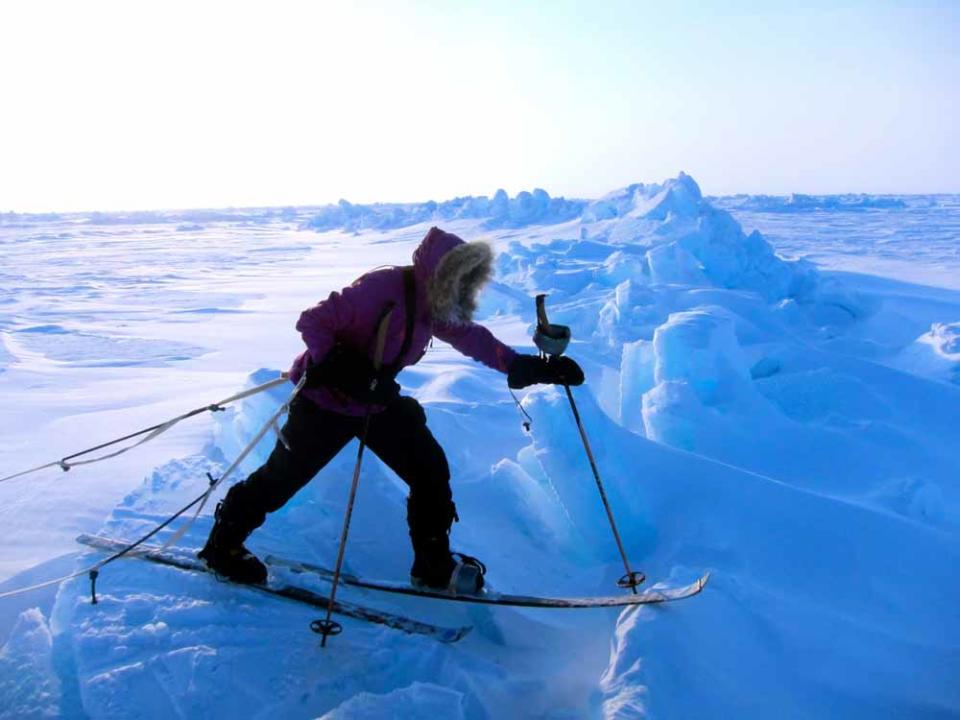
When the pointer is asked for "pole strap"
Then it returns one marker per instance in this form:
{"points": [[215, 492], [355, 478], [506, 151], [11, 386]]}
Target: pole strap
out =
{"points": [[529, 420]]}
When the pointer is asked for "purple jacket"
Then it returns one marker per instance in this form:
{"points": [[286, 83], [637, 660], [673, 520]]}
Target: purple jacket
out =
{"points": [[351, 316]]}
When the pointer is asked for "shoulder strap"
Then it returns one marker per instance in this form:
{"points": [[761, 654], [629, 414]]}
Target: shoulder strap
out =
{"points": [[382, 327], [410, 308]]}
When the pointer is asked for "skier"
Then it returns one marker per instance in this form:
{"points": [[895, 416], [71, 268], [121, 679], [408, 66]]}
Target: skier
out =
{"points": [[344, 335]]}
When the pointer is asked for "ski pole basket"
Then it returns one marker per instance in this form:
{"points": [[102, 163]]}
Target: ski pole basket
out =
{"points": [[631, 580], [326, 628]]}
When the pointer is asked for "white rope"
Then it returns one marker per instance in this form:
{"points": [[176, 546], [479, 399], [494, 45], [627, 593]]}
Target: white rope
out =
{"points": [[271, 423], [159, 430], [146, 438], [93, 570], [280, 436], [59, 463], [48, 583]]}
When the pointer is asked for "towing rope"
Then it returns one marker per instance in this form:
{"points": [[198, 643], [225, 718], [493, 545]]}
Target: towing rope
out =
{"points": [[93, 571], [270, 424], [150, 433]]}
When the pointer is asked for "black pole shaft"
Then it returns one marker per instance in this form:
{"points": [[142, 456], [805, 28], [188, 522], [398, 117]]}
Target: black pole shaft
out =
{"points": [[382, 327], [603, 493], [346, 528]]}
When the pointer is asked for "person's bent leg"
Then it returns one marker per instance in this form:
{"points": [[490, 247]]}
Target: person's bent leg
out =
{"points": [[400, 437], [314, 437]]}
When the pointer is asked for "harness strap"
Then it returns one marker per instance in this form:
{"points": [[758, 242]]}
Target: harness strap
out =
{"points": [[382, 328], [410, 308]]}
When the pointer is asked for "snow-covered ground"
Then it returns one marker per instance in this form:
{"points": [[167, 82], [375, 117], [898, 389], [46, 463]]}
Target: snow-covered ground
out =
{"points": [[779, 409], [912, 238]]}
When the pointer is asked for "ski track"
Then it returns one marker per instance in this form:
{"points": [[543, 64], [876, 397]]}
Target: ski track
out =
{"points": [[785, 421]]}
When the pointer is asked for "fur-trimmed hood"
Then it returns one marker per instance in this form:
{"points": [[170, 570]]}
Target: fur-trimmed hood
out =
{"points": [[453, 272]]}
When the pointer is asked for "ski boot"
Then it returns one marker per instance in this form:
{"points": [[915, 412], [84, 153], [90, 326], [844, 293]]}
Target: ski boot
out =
{"points": [[226, 555], [436, 568]]}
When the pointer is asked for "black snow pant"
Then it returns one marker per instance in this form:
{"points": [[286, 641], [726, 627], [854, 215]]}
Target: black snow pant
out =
{"points": [[398, 435]]}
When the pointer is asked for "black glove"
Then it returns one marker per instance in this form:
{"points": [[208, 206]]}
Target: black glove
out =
{"points": [[352, 373], [532, 369]]}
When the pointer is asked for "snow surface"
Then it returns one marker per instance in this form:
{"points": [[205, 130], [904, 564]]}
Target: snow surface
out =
{"points": [[912, 238], [758, 406]]}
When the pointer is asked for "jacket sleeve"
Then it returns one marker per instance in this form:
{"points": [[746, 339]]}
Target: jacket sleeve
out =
{"points": [[477, 342], [357, 304]]}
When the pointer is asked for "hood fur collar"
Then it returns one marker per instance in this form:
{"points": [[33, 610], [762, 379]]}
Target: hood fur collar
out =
{"points": [[453, 288]]}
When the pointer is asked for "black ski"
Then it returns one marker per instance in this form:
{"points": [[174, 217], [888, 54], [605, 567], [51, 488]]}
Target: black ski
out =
{"points": [[645, 597], [290, 592]]}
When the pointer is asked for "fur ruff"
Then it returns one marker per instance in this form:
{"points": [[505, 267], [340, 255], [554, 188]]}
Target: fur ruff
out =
{"points": [[457, 281]]}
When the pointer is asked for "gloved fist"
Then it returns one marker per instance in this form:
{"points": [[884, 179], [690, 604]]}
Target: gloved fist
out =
{"points": [[533, 369], [352, 373]]}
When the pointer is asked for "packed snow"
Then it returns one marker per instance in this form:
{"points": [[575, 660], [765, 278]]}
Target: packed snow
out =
{"points": [[772, 393]]}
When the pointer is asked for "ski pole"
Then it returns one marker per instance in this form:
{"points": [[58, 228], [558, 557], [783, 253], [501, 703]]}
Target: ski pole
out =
{"points": [[328, 626], [632, 577], [552, 341]]}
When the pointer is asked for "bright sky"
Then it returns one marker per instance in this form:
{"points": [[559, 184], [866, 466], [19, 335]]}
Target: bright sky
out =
{"points": [[135, 105]]}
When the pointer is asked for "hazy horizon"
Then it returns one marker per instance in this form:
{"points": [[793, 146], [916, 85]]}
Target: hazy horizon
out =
{"points": [[212, 208]]}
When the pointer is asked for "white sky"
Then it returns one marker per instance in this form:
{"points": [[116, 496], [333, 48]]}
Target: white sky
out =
{"points": [[130, 105]]}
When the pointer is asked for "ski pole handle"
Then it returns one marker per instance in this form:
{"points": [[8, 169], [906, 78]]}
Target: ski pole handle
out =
{"points": [[552, 340], [542, 322]]}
